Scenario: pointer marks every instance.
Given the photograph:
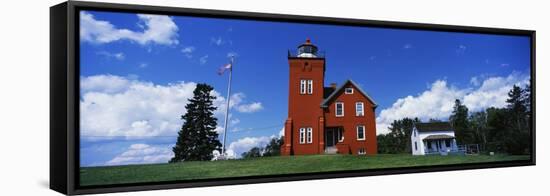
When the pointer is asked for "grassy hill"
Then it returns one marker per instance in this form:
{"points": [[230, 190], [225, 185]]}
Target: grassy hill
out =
{"points": [[267, 166]]}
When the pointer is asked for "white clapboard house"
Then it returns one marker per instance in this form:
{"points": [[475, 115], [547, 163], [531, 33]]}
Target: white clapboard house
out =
{"points": [[433, 138]]}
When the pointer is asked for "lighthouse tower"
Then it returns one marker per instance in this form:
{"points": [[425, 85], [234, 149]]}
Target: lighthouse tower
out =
{"points": [[305, 123]]}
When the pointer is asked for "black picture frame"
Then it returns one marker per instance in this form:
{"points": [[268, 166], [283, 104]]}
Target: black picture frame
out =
{"points": [[64, 95]]}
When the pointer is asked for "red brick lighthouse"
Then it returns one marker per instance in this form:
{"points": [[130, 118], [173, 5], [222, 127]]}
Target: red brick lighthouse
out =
{"points": [[325, 120]]}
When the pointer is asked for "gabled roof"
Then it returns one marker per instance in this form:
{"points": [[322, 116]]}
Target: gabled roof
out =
{"points": [[327, 100], [433, 126]]}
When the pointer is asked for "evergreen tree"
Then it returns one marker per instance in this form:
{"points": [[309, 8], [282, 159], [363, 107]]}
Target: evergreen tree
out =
{"points": [[517, 106], [518, 139], [459, 122], [197, 138]]}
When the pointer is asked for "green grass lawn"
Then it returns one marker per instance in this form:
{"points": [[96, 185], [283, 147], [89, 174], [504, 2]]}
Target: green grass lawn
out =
{"points": [[267, 166]]}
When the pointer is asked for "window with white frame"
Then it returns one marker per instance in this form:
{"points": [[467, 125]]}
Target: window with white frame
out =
{"points": [[348, 90], [339, 111], [310, 87], [302, 135], [415, 146], [360, 132], [302, 86], [309, 135], [361, 151], [359, 109]]}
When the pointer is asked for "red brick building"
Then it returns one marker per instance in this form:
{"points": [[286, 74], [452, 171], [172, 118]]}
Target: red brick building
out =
{"points": [[325, 120]]}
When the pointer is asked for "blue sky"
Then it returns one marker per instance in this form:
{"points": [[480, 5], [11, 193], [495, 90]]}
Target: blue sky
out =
{"points": [[409, 73]]}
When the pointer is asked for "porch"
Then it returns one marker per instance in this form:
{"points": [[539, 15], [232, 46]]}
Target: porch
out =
{"points": [[440, 144]]}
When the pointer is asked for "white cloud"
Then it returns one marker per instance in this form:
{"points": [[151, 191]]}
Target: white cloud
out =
{"points": [[282, 132], [203, 59], [123, 106], [143, 65], [157, 29], [118, 56], [217, 41], [117, 106], [250, 108], [437, 102], [236, 148], [237, 100], [407, 46], [188, 51], [143, 154], [234, 121]]}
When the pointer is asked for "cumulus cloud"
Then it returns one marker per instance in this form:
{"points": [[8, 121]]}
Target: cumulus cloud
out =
{"points": [[115, 106], [143, 154], [237, 103], [156, 29], [188, 51], [437, 102], [236, 148], [250, 108]]}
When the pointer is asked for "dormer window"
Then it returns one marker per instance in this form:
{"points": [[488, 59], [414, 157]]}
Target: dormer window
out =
{"points": [[349, 90]]}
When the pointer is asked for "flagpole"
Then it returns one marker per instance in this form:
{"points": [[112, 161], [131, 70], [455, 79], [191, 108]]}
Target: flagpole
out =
{"points": [[227, 107]]}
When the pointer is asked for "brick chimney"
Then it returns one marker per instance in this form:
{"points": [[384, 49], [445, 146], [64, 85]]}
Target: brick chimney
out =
{"points": [[333, 85]]}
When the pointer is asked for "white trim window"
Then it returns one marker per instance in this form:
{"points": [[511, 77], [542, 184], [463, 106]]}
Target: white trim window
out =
{"points": [[348, 91], [309, 135], [360, 132], [359, 109], [303, 86], [302, 135], [339, 109], [310, 87]]}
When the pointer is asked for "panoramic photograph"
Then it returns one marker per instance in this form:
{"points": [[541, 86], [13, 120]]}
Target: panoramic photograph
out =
{"points": [[181, 98]]}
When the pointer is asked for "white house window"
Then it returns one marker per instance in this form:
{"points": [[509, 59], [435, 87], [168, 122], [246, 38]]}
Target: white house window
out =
{"points": [[309, 135], [414, 133], [302, 135], [310, 87], [349, 91], [360, 132], [415, 146], [340, 135], [339, 109], [361, 151], [359, 109], [302, 86]]}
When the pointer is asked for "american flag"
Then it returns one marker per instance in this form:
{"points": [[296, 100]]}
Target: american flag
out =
{"points": [[224, 68]]}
